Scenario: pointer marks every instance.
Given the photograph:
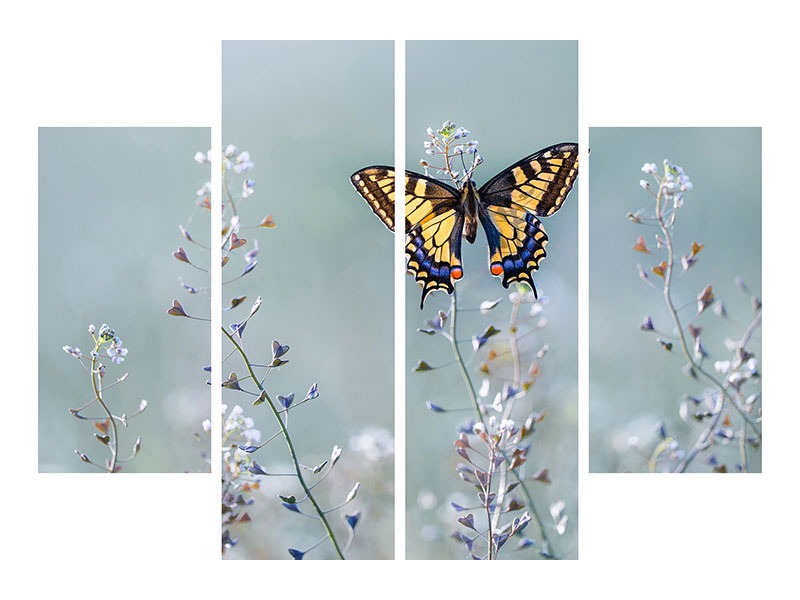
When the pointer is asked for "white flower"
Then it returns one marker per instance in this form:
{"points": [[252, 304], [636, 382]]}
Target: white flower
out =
{"points": [[645, 184], [649, 168], [253, 436], [248, 187], [243, 166], [205, 190], [507, 425]]}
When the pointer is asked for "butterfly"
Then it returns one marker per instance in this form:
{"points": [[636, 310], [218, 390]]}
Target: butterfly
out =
{"points": [[438, 216]]}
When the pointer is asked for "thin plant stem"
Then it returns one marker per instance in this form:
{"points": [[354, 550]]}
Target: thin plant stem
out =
{"points": [[292, 453], [226, 189], [99, 397], [513, 343], [702, 440], [486, 492], [743, 447], [479, 415]]}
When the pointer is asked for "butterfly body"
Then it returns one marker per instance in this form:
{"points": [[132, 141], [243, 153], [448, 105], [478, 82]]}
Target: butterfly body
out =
{"points": [[439, 215], [470, 201]]}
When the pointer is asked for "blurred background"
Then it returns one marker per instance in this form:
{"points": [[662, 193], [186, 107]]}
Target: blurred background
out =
{"points": [[515, 98], [634, 384], [110, 202], [311, 114]]}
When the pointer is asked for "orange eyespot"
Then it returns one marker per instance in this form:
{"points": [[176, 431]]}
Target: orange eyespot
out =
{"points": [[496, 269], [456, 273]]}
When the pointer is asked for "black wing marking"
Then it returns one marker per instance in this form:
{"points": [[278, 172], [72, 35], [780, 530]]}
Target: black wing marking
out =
{"points": [[535, 186], [434, 224]]}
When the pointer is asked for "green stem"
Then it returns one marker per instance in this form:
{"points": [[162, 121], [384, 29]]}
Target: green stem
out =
{"points": [[479, 415], [292, 453], [467, 381]]}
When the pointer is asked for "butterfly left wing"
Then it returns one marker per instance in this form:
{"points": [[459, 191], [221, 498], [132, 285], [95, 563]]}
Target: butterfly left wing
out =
{"points": [[434, 225], [376, 186], [510, 203]]}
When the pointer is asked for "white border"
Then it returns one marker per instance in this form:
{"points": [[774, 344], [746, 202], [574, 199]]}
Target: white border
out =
{"points": [[400, 306], [157, 63]]}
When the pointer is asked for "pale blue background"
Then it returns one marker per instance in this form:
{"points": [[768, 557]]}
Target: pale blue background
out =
{"points": [[110, 201], [515, 98], [310, 114], [634, 383]]}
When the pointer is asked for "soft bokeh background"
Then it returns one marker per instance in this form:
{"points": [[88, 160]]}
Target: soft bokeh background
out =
{"points": [[634, 383], [515, 98], [311, 114], [110, 201]]}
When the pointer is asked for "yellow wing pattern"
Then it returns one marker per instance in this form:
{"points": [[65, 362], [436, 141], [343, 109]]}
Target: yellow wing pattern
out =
{"points": [[376, 186], [537, 184], [508, 206], [510, 202], [434, 225]]}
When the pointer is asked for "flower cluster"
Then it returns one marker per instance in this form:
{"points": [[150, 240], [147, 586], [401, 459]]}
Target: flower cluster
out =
{"points": [[238, 482], [496, 446], [449, 142], [115, 350]]}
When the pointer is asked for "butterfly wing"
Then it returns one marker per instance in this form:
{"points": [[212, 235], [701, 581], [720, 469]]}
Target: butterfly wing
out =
{"points": [[376, 186], [434, 225], [510, 203]]}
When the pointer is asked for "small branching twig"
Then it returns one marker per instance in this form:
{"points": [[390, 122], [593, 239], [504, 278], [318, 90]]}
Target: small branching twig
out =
{"points": [[739, 373], [263, 397], [493, 447], [241, 440], [504, 454], [105, 340]]}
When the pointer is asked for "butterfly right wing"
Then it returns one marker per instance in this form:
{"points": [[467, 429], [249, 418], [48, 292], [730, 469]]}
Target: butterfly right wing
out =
{"points": [[511, 201], [434, 225]]}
